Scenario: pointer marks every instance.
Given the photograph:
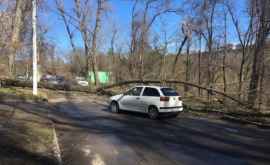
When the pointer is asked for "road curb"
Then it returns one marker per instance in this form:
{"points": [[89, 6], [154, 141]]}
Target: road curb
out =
{"points": [[56, 147]]}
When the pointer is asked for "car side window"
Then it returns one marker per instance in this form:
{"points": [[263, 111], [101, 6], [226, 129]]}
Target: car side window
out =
{"points": [[134, 91], [151, 92]]}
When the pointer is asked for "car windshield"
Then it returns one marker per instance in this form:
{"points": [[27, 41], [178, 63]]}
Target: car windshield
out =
{"points": [[169, 92]]}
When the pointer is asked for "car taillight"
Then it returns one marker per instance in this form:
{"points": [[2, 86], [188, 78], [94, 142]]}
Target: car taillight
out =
{"points": [[164, 98], [180, 98]]}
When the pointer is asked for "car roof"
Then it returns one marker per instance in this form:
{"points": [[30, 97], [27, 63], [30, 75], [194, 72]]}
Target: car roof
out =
{"points": [[151, 86]]}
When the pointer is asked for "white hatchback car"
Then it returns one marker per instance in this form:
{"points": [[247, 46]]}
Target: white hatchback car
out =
{"points": [[148, 99]]}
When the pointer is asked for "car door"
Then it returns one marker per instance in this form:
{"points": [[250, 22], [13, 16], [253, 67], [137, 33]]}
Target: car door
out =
{"points": [[131, 99], [150, 96]]}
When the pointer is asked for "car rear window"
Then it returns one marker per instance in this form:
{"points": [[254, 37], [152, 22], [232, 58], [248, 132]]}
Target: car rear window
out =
{"points": [[169, 92]]}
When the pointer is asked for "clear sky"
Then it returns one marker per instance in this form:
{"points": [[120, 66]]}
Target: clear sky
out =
{"points": [[119, 16]]}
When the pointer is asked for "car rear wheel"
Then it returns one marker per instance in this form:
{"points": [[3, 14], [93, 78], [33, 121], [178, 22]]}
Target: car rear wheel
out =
{"points": [[114, 107], [153, 112]]}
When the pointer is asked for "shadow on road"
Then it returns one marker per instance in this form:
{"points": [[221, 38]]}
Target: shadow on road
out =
{"points": [[164, 116], [199, 140]]}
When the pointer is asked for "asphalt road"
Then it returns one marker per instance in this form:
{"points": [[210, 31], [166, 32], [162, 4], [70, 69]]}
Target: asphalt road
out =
{"points": [[90, 134]]}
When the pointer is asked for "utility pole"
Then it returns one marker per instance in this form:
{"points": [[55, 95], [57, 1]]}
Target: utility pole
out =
{"points": [[34, 23]]}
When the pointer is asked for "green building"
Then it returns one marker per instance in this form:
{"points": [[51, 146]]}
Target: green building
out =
{"points": [[103, 77]]}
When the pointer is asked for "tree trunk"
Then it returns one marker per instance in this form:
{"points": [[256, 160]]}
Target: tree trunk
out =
{"points": [[263, 32], [187, 66], [143, 42], [260, 100], [255, 74], [112, 63], [141, 55], [94, 42], [177, 55], [15, 38], [224, 56], [84, 33], [240, 78], [209, 56], [209, 68], [224, 73], [199, 65]]}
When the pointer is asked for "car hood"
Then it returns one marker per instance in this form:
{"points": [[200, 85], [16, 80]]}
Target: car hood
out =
{"points": [[116, 97]]}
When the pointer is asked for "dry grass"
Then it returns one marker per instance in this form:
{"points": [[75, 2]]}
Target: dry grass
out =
{"points": [[24, 93], [24, 138]]}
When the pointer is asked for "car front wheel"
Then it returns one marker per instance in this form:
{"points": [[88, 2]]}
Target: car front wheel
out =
{"points": [[114, 107], [153, 112]]}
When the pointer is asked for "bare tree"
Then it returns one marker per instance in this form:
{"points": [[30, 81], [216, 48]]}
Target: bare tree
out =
{"points": [[204, 26], [82, 17], [100, 8], [144, 24], [15, 36], [245, 38], [112, 54], [209, 7], [164, 52], [134, 39], [186, 30], [262, 23]]}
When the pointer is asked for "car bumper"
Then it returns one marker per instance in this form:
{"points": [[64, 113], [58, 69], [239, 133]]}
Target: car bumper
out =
{"points": [[170, 109]]}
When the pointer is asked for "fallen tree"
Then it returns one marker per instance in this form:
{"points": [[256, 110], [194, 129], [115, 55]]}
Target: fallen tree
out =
{"points": [[209, 90], [102, 90], [28, 84]]}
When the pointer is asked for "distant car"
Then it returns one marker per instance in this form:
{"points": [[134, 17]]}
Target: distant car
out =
{"points": [[82, 83], [152, 100], [53, 81], [21, 78], [80, 78]]}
